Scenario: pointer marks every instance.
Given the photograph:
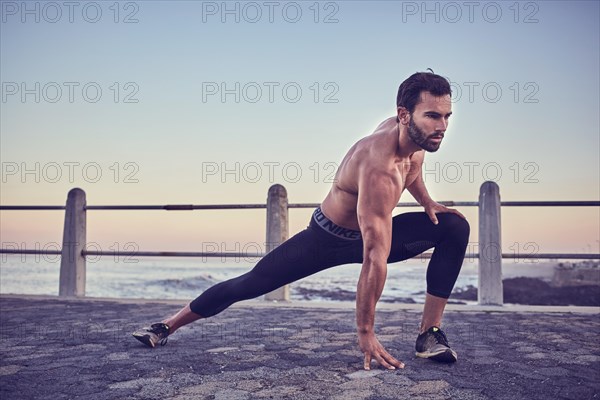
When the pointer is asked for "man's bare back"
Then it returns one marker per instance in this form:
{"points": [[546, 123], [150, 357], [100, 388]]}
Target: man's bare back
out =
{"points": [[374, 155]]}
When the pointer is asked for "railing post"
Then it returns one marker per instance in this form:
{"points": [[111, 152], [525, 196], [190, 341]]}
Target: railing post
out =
{"points": [[490, 247], [72, 261], [277, 231]]}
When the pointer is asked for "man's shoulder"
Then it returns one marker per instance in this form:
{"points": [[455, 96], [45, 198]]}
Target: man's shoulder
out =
{"points": [[373, 153], [376, 150]]}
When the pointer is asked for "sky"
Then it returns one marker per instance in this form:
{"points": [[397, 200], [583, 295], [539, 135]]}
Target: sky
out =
{"points": [[156, 102]]}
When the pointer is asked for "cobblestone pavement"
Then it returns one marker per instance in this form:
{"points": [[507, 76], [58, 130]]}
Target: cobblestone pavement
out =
{"points": [[72, 349]]}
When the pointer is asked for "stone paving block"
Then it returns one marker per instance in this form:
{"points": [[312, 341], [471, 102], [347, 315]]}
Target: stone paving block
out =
{"points": [[426, 387], [363, 374], [353, 394], [249, 385], [396, 378], [231, 394], [280, 391], [222, 350], [9, 369], [117, 356], [465, 394], [134, 383]]}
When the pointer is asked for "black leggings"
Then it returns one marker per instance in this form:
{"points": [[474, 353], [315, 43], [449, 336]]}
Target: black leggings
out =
{"points": [[315, 249]]}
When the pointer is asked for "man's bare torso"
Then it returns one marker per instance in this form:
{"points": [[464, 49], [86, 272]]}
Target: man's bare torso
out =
{"points": [[376, 154]]}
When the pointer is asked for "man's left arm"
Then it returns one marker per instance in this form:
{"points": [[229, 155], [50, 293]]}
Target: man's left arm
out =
{"points": [[418, 190]]}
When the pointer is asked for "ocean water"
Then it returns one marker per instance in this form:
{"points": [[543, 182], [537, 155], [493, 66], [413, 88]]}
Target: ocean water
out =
{"points": [[186, 278]]}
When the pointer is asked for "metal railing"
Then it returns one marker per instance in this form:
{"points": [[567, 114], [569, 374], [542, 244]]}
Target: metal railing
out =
{"points": [[73, 252]]}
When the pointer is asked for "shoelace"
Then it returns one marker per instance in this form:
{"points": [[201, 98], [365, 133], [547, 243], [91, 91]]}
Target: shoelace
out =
{"points": [[162, 329], [440, 337], [166, 330]]}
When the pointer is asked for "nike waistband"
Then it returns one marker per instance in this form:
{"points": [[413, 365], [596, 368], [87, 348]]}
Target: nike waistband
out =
{"points": [[333, 229]]}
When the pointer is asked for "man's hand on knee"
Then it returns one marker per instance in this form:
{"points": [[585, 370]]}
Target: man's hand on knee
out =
{"points": [[433, 208]]}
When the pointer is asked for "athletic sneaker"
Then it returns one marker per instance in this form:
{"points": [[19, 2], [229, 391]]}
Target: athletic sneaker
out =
{"points": [[153, 334], [433, 344]]}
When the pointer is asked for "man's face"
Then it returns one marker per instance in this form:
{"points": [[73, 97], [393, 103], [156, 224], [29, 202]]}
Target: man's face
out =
{"points": [[429, 121]]}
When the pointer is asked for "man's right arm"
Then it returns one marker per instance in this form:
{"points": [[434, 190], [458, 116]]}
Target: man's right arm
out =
{"points": [[377, 197]]}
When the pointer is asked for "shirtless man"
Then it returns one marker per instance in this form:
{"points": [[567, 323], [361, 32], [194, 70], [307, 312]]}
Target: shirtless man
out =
{"points": [[354, 224]]}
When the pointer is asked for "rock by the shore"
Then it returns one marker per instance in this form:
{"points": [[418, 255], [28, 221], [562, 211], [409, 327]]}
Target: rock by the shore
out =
{"points": [[530, 291], [342, 295], [337, 294], [534, 291]]}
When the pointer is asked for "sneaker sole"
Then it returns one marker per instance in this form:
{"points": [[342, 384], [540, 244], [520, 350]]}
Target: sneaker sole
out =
{"points": [[144, 339], [446, 356]]}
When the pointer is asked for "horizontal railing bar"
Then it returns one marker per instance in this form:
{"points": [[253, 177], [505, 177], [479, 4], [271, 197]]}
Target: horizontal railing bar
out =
{"points": [[32, 207], [25, 251], [578, 256], [180, 207], [407, 204], [171, 254], [195, 254], [573, 256], [550, 203], [303, 205], [162, 253]]}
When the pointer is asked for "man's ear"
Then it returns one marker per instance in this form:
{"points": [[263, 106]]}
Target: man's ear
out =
{"points": [[403, 115]]}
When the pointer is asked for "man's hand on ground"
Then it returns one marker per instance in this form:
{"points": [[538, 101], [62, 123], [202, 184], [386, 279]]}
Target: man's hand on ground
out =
{"points": [[372, 349]]}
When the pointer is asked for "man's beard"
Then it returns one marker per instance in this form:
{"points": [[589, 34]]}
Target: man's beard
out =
{"points": [[421, 138]]}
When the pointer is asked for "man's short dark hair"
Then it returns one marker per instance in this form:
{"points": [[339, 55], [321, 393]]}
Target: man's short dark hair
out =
{"points": [[410, 90]]}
